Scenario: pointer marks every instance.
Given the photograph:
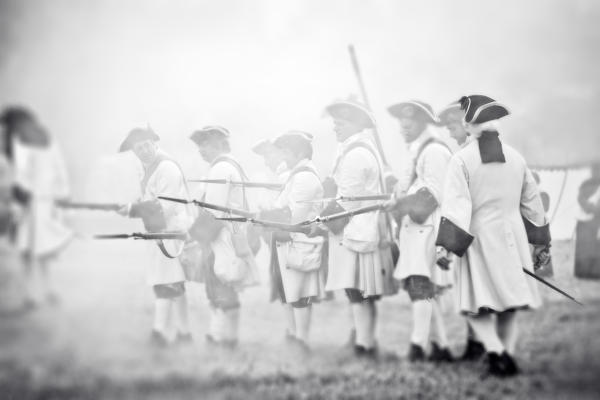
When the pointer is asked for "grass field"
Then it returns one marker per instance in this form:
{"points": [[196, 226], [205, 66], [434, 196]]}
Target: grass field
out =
{"points": [[94, 345]]}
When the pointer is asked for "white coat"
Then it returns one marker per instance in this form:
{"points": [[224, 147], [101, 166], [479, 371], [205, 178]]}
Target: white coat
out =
{"points": [[42, 172], [167, 180], [228, 266], [301, 280], [488, 201], [417, 241], [357, 259]]}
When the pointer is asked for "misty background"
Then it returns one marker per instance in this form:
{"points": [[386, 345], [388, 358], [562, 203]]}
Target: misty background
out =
{"points": [[94, 70]]}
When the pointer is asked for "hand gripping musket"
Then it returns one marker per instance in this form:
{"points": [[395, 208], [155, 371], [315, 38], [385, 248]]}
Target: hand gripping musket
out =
{"points": [[248, 184], [87, 206], [216, 207]]}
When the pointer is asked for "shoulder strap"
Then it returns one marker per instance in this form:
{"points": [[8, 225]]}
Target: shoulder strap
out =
{"points": [[371, 150], [231, 161], [422, 148], [304, 168]]}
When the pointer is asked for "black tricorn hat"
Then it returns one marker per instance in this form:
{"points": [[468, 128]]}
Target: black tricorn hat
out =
{"points": [[479, 109], [351, 111], [414, 109], [137, 135], [451, 113], [207, 132]]}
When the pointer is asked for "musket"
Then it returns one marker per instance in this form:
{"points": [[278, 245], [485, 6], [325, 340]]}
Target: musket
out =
{"points": [[269, 224], [175, 235], [551, 286], [248, 184], [88, 206], [343, 214], [385, 196], [216, 207], [361, 85]]}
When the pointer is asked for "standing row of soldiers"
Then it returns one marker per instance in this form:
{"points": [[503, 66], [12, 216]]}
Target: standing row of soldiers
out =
{"points": [[465, 221]]}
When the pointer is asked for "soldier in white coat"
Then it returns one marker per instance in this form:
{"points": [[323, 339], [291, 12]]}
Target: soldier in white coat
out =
{"points": [[492, 211], [451, 117], [40, 179], [162, 177], [296, 266], [360, 257], [417, 212], [231, 265]]}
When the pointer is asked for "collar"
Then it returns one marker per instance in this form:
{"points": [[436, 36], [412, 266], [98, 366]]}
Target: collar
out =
{"points": [[490, 147]]}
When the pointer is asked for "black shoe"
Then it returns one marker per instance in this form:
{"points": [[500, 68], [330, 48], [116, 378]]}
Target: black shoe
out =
{"points": [[416, 353], [184, 338], [364, 353], [473, 351], [502, 365], [158, 340], [440, 354]]}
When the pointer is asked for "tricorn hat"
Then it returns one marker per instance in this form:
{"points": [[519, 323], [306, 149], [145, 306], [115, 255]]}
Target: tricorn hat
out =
{"points": [[263, 147], [413, 109], [351, 111], [137, 135], [207, 132], [479, 109], [452, 113]]}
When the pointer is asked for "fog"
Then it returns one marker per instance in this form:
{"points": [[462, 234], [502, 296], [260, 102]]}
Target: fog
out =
{"points": [[94, 70]]}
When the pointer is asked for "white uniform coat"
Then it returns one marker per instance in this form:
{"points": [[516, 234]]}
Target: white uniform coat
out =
{"points": [[167, 180], [303, 185], [230, 196], [417, 241], [488, 201], [356, 260], [42, 172]]}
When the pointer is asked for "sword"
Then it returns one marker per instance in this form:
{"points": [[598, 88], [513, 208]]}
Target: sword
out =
{"points": [[180, 235], [263, 185], [551, 286], [216, 207]]}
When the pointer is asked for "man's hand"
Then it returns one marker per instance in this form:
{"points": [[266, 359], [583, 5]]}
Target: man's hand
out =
{"points": [[124, 210], [443, 259], [541, 256]]}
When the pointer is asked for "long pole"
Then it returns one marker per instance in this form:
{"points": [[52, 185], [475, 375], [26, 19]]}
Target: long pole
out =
{"points": [[361, 85]]}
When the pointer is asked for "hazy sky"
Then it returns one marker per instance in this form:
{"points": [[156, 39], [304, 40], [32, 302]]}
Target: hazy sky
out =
{"points": [[93, 70]]}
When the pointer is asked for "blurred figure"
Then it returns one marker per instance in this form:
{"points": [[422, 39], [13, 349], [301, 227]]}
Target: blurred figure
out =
{"points": [[452, 117], [165, 274], [491, 212], [360, 256], [587, 236], [231, 266], [40, 180], [12, 290], [417, 212]]}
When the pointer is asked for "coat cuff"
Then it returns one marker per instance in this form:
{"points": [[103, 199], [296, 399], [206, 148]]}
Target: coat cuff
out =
{"points": [[537, 235], [453, 238]]}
